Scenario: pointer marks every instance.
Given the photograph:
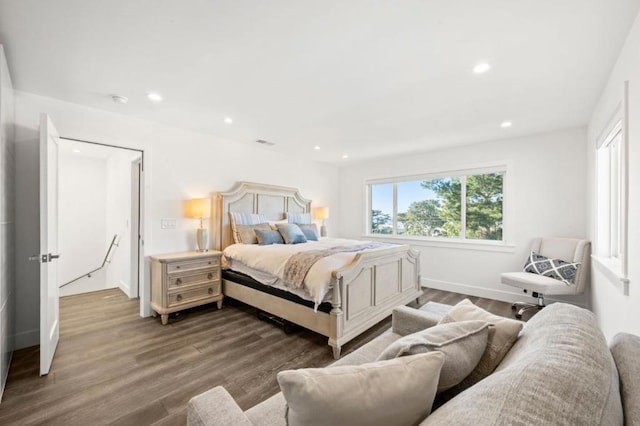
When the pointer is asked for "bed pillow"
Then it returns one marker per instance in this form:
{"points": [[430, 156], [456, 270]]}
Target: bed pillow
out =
{"points": [[462, 343], [310, 231], [552, 268], [247, 235], [268, 237], [398, 391], [244, 219], [292, 234], [501, 337], [274, 223], [299, 218]]}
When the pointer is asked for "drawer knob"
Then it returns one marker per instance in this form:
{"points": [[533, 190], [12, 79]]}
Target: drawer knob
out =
{"points": [[209, 263], [179, 297], [178, 267], [210, 291], [210, 276], [179, 281]]}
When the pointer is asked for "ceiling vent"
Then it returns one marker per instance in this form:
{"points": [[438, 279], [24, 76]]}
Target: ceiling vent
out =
{"points": [[263, 142]]}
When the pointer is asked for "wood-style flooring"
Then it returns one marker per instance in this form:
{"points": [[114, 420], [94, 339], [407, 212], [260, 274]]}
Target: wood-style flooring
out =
{"points": [[113, 367]]}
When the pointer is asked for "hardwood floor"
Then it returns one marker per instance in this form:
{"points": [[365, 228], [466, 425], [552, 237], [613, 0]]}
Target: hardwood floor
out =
{"points": [[113, 367]]}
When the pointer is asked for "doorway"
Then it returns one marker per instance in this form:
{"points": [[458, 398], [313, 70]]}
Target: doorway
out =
{"points": [[100, 202]]}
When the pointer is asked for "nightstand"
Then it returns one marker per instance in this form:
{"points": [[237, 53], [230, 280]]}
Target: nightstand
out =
{"points": [[184, 280]]}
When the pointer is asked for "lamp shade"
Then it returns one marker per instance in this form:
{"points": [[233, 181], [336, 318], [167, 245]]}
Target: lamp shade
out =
{"points": [[322, 213], [197, 208]]}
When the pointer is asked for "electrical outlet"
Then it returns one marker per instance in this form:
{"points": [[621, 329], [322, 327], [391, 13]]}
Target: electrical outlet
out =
{"points": [[167, 224]]}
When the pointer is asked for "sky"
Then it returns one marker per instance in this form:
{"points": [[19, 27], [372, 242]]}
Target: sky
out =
{"points": [[408, 192]]}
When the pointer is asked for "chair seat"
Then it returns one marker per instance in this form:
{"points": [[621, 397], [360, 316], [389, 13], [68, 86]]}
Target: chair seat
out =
{"points": [[537, 283]]}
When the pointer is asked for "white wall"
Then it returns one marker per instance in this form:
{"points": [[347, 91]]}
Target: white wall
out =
{"points": [[545, 195], [82, 222], [179, 164], [118, 205], [615, 311], [7, 221]]}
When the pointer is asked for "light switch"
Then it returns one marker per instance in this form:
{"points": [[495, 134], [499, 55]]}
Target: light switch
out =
{"points": [[167, 224]]}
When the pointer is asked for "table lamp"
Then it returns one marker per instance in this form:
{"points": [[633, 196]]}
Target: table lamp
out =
{"points": [[199, 208], [323, 214]]}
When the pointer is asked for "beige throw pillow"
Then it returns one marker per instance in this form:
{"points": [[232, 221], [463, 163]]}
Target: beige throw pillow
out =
{"points": [[462, 343], [247, 235], [395, 392], [501, 337]]}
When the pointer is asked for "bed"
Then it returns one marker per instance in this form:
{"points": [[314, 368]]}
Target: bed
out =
{"points": [[362, 292]]}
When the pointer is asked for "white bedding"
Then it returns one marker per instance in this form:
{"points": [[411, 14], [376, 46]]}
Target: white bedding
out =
{"points": [[271, 259]]}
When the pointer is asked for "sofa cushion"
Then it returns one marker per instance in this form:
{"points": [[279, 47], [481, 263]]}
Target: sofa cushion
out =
{"points": [[397, 391], [462, 343], [560, 371], [501, 337], [271, 412], [625, 349]]}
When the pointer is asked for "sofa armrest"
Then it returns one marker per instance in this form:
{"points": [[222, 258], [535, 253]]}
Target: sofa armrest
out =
{"points": [[215, 407], [405, 320], [625, 349]]}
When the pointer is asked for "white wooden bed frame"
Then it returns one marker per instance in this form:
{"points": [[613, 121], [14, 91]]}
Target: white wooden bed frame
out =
{"points": [[364, 293]]}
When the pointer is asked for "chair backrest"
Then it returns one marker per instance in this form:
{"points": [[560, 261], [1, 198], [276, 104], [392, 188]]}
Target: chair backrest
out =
{"points": [[570, 250]]}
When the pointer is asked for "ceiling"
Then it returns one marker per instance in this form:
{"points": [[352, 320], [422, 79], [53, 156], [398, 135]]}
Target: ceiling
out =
{"points": [[358, 77]]}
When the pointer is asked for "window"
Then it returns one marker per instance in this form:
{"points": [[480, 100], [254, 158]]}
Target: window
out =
{"points": [[463, 206], [611, 196]]}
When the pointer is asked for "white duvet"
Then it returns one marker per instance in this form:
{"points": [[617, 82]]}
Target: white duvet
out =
{"points": [[271, 259]]}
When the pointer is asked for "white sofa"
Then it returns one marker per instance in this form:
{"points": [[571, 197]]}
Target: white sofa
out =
{"points": [[559, 371]]}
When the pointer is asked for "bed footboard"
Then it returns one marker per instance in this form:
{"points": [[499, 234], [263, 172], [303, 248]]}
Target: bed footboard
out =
{"points": [[366, 291]]}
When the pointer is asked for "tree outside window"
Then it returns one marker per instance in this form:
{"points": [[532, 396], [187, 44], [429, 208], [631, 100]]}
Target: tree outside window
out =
{"points": [[463, 207]]}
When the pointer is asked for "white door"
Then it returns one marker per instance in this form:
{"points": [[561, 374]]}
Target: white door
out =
{"points": [[49, 308]]}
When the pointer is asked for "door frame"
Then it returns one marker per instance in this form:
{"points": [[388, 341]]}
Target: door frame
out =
{"points": [[135, 233], [144, 280]]}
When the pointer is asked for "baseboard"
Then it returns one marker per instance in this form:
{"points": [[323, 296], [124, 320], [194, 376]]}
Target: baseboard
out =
{"points": [[125, 288], [3, 382], [487, 293], [27, 338]]}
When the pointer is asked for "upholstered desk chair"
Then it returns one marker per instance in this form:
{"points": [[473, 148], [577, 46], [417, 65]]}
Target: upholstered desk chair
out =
{"points": [[538, 286]]}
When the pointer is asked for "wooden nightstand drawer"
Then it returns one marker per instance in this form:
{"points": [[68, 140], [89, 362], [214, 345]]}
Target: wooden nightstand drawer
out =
{"points": [[196, 277], [189, 265], [185, 280], [198, 293]]}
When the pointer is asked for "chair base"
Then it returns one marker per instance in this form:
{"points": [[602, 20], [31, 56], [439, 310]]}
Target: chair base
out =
{"points": [[522, 307]]}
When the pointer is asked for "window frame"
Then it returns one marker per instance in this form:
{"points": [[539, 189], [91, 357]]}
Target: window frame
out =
{"points": [[462, 241], [611, 198]]}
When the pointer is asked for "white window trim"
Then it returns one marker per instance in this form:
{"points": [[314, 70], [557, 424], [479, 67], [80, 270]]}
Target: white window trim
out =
{"points": [[615, 269], [504, 245]]}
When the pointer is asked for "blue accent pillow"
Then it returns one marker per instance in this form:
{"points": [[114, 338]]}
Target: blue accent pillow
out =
{"points": [[309, 230], [291, 233], [266, 238]]}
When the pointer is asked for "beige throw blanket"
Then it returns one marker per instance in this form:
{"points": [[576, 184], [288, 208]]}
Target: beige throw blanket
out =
{"points": [[296, 268]]}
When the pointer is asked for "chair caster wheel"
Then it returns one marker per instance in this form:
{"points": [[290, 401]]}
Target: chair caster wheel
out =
{"points": [[518, 316], [514, 307]]}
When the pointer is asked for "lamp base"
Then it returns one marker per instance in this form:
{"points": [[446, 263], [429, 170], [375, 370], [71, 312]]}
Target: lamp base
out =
{"points": [[202, 239], [323, 231]]}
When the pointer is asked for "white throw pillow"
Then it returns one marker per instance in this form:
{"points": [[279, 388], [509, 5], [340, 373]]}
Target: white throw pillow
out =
{"points": [[502, 336], [394, 392], [462, 343]]}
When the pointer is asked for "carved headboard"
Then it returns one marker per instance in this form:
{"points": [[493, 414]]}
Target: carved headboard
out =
{"points": [[247, 197]]}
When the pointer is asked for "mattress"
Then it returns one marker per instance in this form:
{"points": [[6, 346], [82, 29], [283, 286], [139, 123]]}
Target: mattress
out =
{"points": [[267, 263], [246, 280]]}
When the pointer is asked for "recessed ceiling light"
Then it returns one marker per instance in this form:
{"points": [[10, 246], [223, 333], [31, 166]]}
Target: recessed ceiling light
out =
{"points": [[506, 124], [119, 99], [228, 120], [155, 97], [481, 68], [76, 150], [345, 156], [316, 147]]}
